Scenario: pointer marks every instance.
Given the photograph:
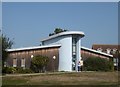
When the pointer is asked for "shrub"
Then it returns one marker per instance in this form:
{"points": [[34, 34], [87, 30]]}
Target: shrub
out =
{"points": [[38, 63], [28, 71], [98, 64], [8, 70], [22, 70]]}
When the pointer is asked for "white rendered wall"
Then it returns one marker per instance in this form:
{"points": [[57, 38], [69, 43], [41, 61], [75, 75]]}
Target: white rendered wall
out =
{"points": [[65, 51], [78, 56], [65, 61]]}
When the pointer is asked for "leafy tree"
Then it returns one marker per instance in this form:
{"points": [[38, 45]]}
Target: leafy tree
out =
{"points": [[38, 63], [57, 30], [6, 44]]}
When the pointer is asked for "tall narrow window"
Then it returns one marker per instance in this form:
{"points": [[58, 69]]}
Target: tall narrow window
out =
{"points": [[15, 62], [74, 46], [23, 62], [74, 41]]}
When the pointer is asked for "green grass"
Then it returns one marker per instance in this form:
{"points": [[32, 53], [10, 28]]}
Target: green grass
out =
{"points": [[14, 81], [74, 78]]}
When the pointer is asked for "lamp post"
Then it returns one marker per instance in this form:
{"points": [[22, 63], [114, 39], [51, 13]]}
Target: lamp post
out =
{"points": [[54, 57]]}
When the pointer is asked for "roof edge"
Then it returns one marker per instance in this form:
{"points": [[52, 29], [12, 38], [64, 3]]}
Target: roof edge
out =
{"points": [[96, 51], [65, 33], [35, 47]]}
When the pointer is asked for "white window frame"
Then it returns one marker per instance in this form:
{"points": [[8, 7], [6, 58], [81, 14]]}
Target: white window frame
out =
{"points": [[15, 60], [114, 50], [108, 51], [23, 62]]}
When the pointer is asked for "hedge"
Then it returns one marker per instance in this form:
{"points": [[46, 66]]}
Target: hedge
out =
{"points": [[98, 64], [11, 70]]}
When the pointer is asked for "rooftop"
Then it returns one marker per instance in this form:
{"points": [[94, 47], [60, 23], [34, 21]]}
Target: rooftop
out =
{"points": [[95, 51], [65, 33], [57, 45], [105, 46], [31, 48]]}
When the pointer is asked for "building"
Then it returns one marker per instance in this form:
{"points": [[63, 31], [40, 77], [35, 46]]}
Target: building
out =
{"points": [[63, 50], [21, 57], [88, 53], [69, 50], [109, 49]]}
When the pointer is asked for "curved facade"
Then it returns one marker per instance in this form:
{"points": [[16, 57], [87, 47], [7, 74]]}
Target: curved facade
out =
{"points": [[69, 52]]}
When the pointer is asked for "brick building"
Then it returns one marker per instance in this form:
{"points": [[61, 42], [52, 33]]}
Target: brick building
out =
{"points": [[109, 49]]}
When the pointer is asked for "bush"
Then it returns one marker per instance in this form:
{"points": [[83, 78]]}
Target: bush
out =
{"points": [[22, 70], [8, 70], [98, 64], [38, 63]]}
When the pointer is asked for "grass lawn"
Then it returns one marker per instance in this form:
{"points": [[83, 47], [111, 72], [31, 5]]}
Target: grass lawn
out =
{"points": [[64, 78]]}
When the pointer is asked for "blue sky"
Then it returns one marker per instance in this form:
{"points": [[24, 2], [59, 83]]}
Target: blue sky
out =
{"points": [[28, 23]]}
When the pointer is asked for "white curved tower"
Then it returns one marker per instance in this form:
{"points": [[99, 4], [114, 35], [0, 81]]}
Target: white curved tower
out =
{"points": [[70, 50]]}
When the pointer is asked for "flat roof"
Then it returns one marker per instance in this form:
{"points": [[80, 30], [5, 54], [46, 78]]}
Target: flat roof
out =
{"points": [[65, 33], [57, 45], [32, 48], [95, 51]]}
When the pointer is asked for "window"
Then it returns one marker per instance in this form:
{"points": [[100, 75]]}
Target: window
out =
{"points": [[74, 48], [74, 41], [42, 43], [114, 50], [99, 49], [108, 51], [23, 62], [115, 60], [14, 62]]}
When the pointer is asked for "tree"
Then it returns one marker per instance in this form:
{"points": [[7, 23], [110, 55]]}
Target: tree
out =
{"points": [[39, 63], [57, 30], [6, 44]]}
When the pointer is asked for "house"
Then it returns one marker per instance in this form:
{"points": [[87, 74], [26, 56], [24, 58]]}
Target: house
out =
{"points": [[109, 49], [63, 50], [68, 51]]}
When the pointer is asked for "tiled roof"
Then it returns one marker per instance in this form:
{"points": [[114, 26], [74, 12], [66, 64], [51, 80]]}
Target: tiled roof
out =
{"points": [[104, 48]]}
